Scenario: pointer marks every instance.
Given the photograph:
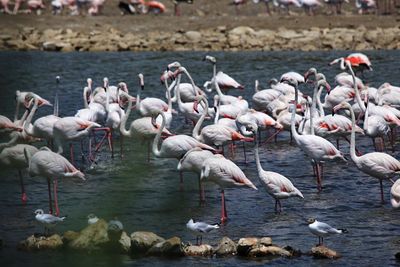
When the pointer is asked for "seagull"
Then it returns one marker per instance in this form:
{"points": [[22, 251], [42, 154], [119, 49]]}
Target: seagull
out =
{"points": [[200, 228], [92, 219], [114, 229], [322, 230], [48, 220]]}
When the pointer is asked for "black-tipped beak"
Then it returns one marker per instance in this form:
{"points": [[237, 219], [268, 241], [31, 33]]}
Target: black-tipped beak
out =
{"points": [[333, 112]]}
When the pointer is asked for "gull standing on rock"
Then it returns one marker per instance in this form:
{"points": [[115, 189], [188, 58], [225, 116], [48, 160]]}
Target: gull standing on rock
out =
{"points": [[200, 228], [322, 230], [49, 221]]}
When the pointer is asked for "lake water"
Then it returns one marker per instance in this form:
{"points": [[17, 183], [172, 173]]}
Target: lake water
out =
{"points": [[146, 195]]}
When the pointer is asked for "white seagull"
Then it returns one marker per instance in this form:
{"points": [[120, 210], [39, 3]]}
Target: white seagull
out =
{"points": [[200, 228], [322, 230], [92, 219], [48, 220]]}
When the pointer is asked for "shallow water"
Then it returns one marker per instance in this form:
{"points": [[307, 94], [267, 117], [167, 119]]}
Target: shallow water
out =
{"points": [[146, 196]]}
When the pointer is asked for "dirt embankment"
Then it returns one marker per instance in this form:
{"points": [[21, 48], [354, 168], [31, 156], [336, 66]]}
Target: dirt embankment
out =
{"points": [[206, 25]]}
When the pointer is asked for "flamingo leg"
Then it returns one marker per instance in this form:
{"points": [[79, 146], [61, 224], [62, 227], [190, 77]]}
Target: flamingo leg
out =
{"points": [[148, 151], [24, 198], [71, 151], [201, 191], [121, 145], [318, 177], [181, 181], [374, 143], [357, 151], [50, 201], [381, 185], [224, 216], [82, 155], [55, 183], [110, 142], [337, 143], [244, 153], [201, 239]]}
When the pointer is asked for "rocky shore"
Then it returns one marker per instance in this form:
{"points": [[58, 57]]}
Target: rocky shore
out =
{"points": [[98, 237], [221, 38]]}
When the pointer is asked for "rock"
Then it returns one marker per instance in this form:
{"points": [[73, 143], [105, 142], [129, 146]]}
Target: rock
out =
{"points": [[92, 237], [125, 242], [120, 245], [266, 241], [246, 244], [324, 252], [193, 36], [262, 251], [242, 30], [141, 242], [50, 46], [33, 243], [293, 252], [397, 256], [202, 250], [289, 34], [68, 236], [170, 248], [226, 247]]}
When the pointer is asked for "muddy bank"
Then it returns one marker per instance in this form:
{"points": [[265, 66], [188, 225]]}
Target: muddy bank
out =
{"points": [[221, 38]]}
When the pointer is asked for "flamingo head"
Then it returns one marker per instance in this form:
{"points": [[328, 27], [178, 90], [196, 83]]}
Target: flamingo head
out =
{"points": [[167, 75], [343, 105], [141, 80], [122, 86], [58, 78], [89, 82], [211, 59], [175, 64], [105, 82], [325, 84], [338, 60], [311, 220], [309, 73]]}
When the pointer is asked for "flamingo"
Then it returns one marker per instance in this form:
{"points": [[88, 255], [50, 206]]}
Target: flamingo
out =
{"points": [[215, 134], [142, 128], [364, 5], [357, 61], [149, 106], [395, 194], [262, 98], [286, 3], [376, 164], [277, 185], [192, 161], [14, 157], [6, 125], [292, 74], [310, 6], [175, 146], [51, 166], [315, 147], [225, 174]]}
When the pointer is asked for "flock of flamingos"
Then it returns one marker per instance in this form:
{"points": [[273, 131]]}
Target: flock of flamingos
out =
{"points": [[354, 108]]}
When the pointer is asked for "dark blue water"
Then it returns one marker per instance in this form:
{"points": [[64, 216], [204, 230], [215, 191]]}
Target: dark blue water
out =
{"points": [[146, 196]]}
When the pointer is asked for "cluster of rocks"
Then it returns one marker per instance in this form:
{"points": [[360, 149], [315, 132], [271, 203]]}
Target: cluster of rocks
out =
{"points": [[219, 39], [97, 237]]}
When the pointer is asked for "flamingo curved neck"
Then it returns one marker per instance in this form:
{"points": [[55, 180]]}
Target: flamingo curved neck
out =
{"points": [[358, 97], [353, 155], [256, 154], [85, 100], [125, 117], [155, 149], [292, 126], [16, 112], [191, 82], [320, 108], [196, 130], [28, 127], [178, 93], [366, 119]]}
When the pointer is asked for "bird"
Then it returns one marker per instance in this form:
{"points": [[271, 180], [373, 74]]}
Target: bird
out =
{"points": [[277, 185], [14, 157], [114, 229], [225, 174], [48, 220], [200, 228], [357, 61], [376, 164], [315, 147], [52, 166], [177, 10], [322, 230], [92, 219]]}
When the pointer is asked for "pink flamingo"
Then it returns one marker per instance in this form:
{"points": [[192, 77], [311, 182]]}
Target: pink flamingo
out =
{"points": [[277, 185], [192, 161], [316, 147], [395, 194], [52, 166], [225, 174], [6, 125], [150, 105], [376, 164], [14, 157], [357, 61]]}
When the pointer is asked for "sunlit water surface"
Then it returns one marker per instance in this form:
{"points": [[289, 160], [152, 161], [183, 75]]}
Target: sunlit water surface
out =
{"points": [[146, 195]]}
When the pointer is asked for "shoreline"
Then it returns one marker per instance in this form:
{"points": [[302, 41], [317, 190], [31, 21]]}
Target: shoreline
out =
{"points": [[222, 38]]}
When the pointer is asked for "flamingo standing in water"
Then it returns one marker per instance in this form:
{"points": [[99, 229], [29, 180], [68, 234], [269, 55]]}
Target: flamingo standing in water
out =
{"points": [[277, 185], [225, 174], [51, 166], [376, 164], [142, 128], [14, 157], [395, 194], [192, 161], [316, 147]]}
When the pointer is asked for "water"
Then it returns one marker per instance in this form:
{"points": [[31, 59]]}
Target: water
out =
{"points": [[146, 196]]}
